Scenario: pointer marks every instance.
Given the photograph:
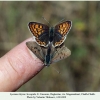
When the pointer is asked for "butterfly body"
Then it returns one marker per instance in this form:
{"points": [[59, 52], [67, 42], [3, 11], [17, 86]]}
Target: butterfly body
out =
{"points": [[44, 35], [48, 57], [51, 34]]}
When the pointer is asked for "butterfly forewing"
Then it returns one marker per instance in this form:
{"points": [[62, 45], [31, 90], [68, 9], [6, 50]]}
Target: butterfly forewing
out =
{"points": [[60, 32], [41, 32], [63, 28]]}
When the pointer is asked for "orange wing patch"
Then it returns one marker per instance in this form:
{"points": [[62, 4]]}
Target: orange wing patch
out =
{"points": [[40, 43], [59, 43], [36, 29], [64, 28]]}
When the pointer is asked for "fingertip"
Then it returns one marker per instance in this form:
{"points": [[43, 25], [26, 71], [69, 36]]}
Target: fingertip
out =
{"points": [[21, 64]]}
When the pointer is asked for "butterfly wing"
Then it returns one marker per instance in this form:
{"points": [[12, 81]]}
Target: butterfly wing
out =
{"points": [[61, 53], [41, 33], [36, 49], [61, 31]]}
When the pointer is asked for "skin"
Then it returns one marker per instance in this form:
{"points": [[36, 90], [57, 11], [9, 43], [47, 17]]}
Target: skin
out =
{"points": [[17, 67]]}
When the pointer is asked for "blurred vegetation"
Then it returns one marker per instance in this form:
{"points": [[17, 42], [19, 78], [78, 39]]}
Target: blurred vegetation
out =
{"points": [[80, 71]]}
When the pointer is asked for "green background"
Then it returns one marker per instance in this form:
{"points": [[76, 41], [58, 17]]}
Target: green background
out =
{"points": [[80, 71]]}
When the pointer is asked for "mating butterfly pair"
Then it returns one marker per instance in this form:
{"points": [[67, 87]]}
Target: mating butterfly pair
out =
{"points": [[47, 57], [46, 36]]}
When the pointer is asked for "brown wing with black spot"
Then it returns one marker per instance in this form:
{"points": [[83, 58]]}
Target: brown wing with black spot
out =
{"points": [[61, 53], [36, 49]]}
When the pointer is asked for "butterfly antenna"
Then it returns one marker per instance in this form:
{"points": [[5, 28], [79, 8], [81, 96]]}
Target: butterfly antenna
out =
{"points": [[60, 21], [45, 20]]}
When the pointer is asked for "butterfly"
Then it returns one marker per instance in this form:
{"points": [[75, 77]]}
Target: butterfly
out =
{"points": [[48, 55], [44, 35]]}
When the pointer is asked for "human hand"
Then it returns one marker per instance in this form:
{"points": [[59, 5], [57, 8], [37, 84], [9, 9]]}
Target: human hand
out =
{"points": [[17, 67]]}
